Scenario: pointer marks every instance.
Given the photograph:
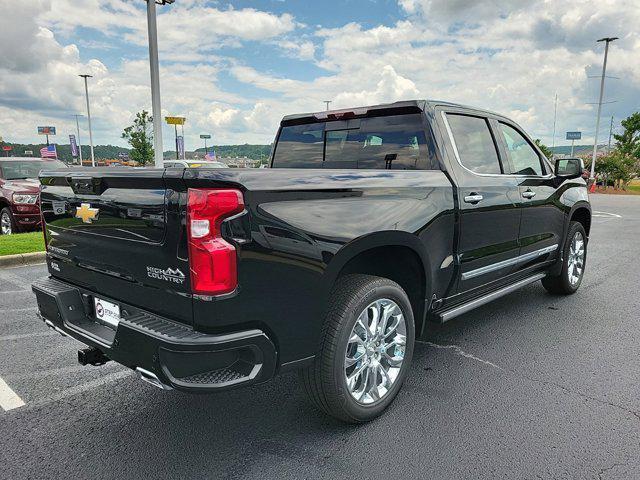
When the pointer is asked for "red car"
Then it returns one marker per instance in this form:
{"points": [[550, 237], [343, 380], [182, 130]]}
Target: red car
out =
{"points": [[19, 190]]}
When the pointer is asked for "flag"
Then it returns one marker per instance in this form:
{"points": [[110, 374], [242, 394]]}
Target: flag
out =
{"points": [[49, 152], [211, 156]]}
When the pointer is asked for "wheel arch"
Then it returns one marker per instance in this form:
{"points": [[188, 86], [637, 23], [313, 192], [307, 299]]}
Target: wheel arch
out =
{"points": [[399, 256], [581, 212]]}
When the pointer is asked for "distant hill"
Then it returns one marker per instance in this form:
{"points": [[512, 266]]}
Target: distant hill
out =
{"points": [[105, 152], [255, 152], [577, 149], [64, 151]]}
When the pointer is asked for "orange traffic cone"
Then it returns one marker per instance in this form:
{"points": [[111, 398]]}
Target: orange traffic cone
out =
{"points": [[592, 188]]}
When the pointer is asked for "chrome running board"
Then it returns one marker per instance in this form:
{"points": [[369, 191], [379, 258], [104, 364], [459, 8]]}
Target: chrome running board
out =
{"points": [[447, 315]]}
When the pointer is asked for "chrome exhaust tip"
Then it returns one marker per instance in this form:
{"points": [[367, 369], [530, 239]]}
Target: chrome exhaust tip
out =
{"points": [[150, 377]]}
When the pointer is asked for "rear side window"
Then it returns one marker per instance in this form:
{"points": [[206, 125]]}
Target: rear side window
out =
{"points": [[390, 142], [474, 143], [524, 158]]}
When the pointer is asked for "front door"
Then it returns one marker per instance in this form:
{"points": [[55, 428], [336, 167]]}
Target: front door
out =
{"points": [[543, 217], [488, 200]]}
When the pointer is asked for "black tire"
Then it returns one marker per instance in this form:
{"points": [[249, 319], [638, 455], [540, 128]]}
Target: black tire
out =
{"points": [[6, 211], [324, 380], [561, 284]]}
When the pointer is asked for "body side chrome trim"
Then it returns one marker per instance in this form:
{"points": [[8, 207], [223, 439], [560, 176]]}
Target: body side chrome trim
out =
{"points": [[511, 261], [464, 308]]}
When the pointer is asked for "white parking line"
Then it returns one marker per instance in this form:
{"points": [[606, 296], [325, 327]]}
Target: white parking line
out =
{"points": [[605, 214], [47, 333], [8, 398]]}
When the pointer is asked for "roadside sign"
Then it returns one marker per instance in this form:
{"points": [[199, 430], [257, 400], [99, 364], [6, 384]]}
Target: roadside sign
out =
{"points": [[74, 145], [7, 148], [574, 135], [175, 120], [123, 155], [46, 130], [205, 136], [28, 152]]}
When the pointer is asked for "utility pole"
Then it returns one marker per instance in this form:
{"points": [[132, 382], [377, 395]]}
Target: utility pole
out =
{"points": [[86, 92], [607, 41], [610, 133], [78, 132], [156, 111], [555, 114], [327, 102]]}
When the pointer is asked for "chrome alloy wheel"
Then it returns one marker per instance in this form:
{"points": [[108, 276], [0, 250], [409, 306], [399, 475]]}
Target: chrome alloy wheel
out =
{"points": [[5, 224], [375, 351], [575, 260]]}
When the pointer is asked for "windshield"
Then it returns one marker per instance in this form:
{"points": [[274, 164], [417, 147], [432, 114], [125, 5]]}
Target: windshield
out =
{"points": [[18, 169]]}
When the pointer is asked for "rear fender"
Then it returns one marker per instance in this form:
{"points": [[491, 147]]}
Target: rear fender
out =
{"points": [[372, 241]]}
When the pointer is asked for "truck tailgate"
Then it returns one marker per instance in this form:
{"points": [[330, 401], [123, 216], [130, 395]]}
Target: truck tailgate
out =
{"points": [[120, 232]]}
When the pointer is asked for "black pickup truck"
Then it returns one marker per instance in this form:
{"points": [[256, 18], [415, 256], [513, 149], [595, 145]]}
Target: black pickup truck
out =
{"points": [[370, 223]]}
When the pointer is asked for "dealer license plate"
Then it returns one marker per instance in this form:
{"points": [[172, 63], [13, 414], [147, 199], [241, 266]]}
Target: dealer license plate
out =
{"points": [[107, 312]]}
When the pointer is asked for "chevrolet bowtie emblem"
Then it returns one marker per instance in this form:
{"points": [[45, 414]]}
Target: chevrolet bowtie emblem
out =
{"points": [[86, 213]]}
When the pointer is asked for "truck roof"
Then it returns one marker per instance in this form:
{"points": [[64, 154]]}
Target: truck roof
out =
{"points": [[404, 106]]}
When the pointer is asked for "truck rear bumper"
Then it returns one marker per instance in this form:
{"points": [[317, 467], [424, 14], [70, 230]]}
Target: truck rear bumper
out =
{"points": [[176, 355]]}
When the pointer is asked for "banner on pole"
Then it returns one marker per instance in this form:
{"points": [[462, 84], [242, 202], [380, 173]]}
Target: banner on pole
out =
{"points": [[180, 140], [74, 145]]}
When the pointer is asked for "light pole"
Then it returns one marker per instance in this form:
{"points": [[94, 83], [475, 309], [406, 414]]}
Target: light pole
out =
{"points": [[78, 132], [156, 111], [86, 92], [555, 114], [607, 40]]}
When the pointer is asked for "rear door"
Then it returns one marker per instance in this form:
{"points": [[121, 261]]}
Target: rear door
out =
{"points": [[543, 217], [120, 232], [488, 201]]}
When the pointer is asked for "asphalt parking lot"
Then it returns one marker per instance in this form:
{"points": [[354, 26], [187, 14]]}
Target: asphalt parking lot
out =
{"points": [[531, 386]]}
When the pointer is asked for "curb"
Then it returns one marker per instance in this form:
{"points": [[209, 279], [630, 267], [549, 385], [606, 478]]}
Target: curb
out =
{"points": [[22, 259]]}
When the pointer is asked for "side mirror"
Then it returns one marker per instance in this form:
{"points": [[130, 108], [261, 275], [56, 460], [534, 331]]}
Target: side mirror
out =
{"points": [[568, 168]]}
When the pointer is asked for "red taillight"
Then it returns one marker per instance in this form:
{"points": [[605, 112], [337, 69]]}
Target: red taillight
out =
{"points": [[212, 260]]}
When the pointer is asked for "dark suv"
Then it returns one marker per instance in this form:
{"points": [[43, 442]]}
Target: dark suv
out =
{"points": [[19, 189]]}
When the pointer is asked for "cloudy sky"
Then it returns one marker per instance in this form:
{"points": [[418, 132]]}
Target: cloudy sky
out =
{"points": [[234, 68]]}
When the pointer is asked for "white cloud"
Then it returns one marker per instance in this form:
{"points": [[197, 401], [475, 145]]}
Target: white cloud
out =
{"points": [[304, 50], [391, 87], [507, 56]]}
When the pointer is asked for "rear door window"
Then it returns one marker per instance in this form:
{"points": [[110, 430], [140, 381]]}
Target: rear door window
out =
{"points": [[381, 143], [524, 159], [474, 143]]}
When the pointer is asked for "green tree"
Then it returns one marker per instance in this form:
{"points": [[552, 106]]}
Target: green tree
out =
{"points": [[628, 142], [617, 167], [546, 150], [140, 137]]}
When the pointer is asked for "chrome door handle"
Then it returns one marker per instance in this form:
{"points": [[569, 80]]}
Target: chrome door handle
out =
{"points": [[528, 194], [473, 198]]}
